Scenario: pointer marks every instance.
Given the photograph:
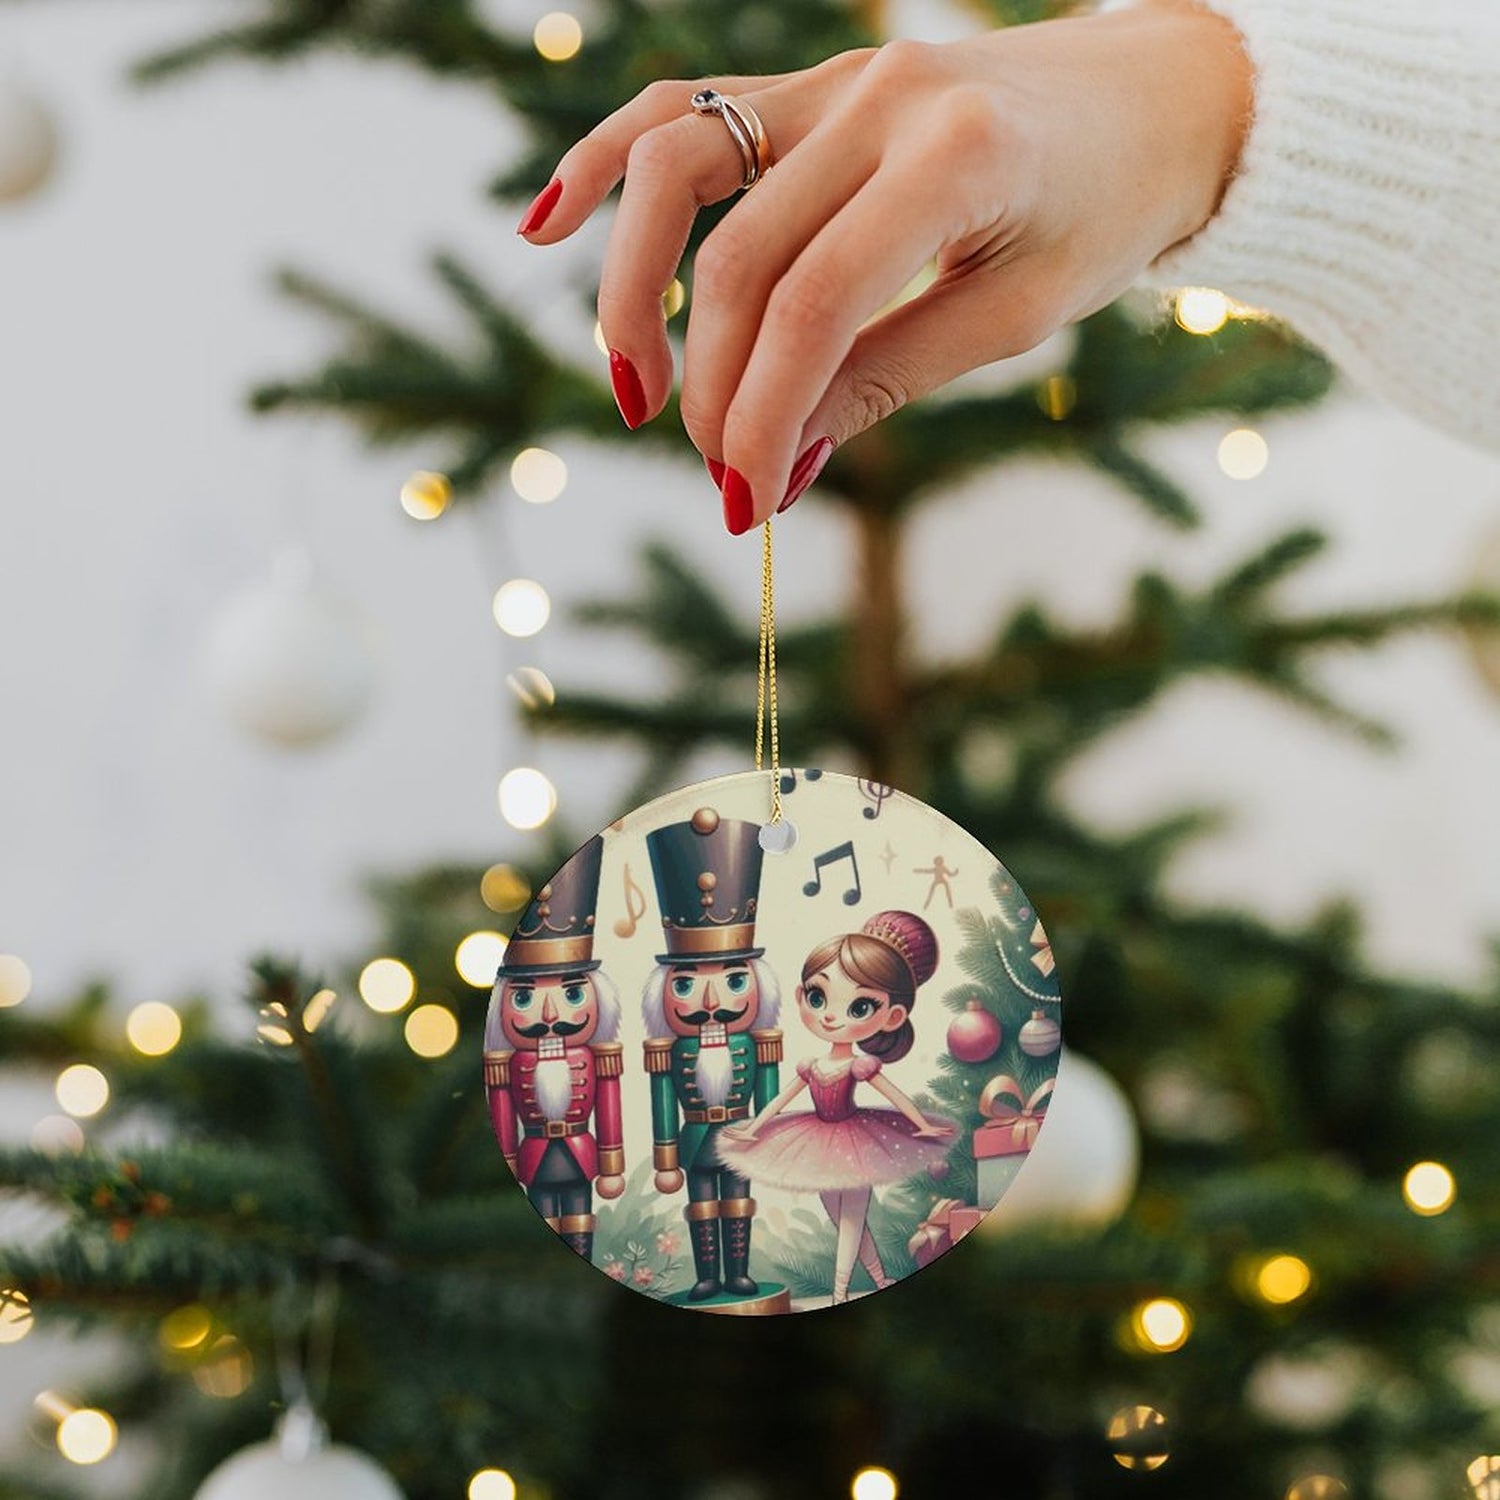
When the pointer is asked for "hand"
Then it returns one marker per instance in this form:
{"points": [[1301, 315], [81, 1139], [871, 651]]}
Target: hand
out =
{"points": [[938, 1129], [669, 1181], [610, 1186], [1043, 166], [742, 1133]]}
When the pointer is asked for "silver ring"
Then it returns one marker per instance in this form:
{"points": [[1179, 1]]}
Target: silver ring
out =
{"points": [[744, 125]]}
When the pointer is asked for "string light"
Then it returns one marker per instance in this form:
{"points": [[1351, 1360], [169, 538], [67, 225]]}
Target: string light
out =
{"points": [[1429, 1188], [1484, 1476], [82, 1090], [86, 1436], [477, 958], [15, 1315], [1201, 310], [57, 1133], [15, 980], [557, 36], [1280, 1279], [425, 495], [1057, 395], [1137, 1437], [873, 1483], [527, 798], [1243, 453], [492, 1484], [504, 888], [1317, 1487], [386, 985], [431, 1030], [521, 607], [532, 686], [1161, 1324], [153, 1029], [225, 1370], [538, 475], [185, 1328]]}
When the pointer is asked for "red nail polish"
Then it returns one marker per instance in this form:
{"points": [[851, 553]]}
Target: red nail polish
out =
{"points": [[716, 469], [739, 504], [629, 396], [805, 470], [542, 205]]}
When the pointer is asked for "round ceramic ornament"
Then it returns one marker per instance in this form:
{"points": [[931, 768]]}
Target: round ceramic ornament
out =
{"points": [[718, 1052]]}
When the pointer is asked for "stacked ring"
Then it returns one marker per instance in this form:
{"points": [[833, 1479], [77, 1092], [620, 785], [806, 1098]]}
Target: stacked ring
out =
{"points": [[744, 125]]}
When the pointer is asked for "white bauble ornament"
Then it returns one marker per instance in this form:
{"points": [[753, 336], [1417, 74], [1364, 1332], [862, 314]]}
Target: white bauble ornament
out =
{"points": [[287, 663], [1082, 1170], [28, 142], [299, 1464]]}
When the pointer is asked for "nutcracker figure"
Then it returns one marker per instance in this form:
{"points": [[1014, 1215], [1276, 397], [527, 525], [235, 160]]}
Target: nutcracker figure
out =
{"points": [[712, 1048], [552, 1060]]}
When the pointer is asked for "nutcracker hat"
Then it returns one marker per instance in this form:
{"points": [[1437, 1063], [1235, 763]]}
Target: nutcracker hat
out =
{"points": [[707, 873], [556, 932]]}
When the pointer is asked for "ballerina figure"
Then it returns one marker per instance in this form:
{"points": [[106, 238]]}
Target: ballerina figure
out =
{"points": [[857, 991]]}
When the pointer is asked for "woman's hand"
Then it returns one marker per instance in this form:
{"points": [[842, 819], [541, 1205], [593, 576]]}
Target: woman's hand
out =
{"points": [[1043, 167]]}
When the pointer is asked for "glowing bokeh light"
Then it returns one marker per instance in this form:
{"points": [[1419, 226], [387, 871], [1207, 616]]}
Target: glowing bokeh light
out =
{"points": [[56, 1134], [86, 1436], [1280, 1279], [431, 1030], [492, 1484], [185, 1328], [1161, 1324], [477, 958], [1429, 1188], [527, 799], [557, 36], [504, 888], [873, 1483], [521, 607], [532, 687], [673, 298], [426, 495], [1137, 1437], [153, 1028], [1243, 453], [15, 980], [15, 1315], [538, 475], [1202, 310], [225, 1370], [386, 985], [82, 1090]]}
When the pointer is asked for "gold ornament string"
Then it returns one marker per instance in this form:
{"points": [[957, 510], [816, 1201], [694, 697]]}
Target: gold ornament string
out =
{"points": [[765, 686]]}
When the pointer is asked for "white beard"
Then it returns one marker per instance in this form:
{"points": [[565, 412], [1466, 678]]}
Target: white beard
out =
{"points": [[554, 1087], [715, 1071]]}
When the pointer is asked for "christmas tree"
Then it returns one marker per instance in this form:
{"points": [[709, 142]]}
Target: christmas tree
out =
{"points": [[1295, 1303]]}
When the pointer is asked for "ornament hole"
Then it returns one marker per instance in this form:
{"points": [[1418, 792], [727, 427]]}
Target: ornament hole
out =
{"points": [[778, 838]]}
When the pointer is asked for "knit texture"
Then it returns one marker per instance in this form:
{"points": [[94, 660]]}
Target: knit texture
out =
{"points": [[1365, 210]]}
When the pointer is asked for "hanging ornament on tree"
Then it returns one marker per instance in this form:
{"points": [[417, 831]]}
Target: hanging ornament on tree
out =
{"points": [[758, 1133], [1040, 1035], [299, 1463], [28, 142], [974, 1035], [287, 663]]}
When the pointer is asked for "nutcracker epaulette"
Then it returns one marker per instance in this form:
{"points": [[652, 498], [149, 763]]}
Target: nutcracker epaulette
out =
{"points": [[609, 1058], [658, 1054], [767, 1044], [497, 1069]]}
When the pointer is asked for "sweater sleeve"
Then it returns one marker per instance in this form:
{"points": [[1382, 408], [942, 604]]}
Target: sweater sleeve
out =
{"points": [[1365, 210]]}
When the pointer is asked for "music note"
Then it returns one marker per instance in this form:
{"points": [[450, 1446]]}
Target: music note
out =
{"points": [[876, 792], [627, 924], [834, 856], [789, 780]]}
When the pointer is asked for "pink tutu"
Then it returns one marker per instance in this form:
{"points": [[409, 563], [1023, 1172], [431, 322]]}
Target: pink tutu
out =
{"points": [[835, 1145]]}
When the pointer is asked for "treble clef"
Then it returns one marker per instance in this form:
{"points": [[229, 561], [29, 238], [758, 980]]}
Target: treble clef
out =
{"points": [[627, 924]]}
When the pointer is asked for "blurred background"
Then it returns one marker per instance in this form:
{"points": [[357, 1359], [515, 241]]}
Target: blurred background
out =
{"points": [[308, 542]]}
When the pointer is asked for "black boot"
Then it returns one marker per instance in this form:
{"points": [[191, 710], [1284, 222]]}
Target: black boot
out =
{"points": [[578, 1231], [738, 1215], [705, 1233]]}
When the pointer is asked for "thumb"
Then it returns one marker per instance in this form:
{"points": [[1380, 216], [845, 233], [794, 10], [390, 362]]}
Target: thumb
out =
{"points": [[955, 326]]}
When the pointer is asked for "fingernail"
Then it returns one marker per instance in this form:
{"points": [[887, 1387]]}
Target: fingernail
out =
{"points": [[739, 504], [629, 396], [805, 470], [542, 205], [715, 469]]}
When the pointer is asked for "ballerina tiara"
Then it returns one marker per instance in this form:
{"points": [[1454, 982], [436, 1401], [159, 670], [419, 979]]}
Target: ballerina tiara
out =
{"points": [[892, 938]]}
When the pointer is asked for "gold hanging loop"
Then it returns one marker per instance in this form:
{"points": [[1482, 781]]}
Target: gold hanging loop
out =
{"points": [[765, 687]]}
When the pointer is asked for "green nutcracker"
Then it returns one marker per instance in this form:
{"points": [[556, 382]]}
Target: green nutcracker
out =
{"points": [[713, 1049]]}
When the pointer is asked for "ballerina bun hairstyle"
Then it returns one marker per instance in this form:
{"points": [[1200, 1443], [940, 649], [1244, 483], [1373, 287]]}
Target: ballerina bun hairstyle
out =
{"points": [[895, 952]]}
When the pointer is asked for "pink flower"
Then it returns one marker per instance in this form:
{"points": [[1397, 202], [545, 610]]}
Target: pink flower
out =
{"points": [[615, 1268], [644, 1276], [667, 1242]]}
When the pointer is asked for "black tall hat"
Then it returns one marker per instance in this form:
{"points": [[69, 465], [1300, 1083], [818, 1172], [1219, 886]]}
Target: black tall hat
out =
{"points": [[707, 874], [556, 931]]}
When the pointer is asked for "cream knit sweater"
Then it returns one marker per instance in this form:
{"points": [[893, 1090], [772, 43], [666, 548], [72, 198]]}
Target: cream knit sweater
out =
{"points": [[1365, 210]]}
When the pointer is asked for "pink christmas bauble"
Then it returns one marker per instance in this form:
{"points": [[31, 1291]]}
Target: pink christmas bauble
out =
{"points": [[974, 1035]]}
